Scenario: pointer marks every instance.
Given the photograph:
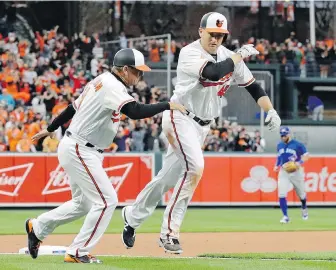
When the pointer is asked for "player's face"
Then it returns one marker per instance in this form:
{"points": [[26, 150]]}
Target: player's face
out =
{"points": [[285, 138], [133, 75], [211, 41]]}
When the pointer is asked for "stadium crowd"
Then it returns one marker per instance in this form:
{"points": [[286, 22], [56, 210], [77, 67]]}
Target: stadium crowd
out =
{"points": [[297, 59], [40, 78]]}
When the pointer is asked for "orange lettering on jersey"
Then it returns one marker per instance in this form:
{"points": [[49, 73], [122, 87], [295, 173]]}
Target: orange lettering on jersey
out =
{"points": [[98, 85], [82, 96]]}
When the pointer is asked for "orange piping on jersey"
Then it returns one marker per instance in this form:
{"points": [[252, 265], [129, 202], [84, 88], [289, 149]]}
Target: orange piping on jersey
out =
{"points": [[126, 101], [209, 84], [248, 83]]}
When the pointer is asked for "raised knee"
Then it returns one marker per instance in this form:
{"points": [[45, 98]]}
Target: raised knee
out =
{"points": [[109, 201], [197, 168], [112, 202], [196, 174]]}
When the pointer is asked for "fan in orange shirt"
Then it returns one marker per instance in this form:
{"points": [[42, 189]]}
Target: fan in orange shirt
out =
{"points": [[11, 85], [50, 144], [3, 113], [33, 129], [14, 135], [25, 145], [60, 107], [19, 114]]}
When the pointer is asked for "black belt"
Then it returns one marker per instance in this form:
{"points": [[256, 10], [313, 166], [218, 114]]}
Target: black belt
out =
{"points": [[202, 122], [68, 133], [199, 120]]}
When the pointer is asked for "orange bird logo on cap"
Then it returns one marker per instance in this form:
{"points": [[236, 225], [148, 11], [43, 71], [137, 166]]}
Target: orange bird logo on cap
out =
{"points": [[219, 23]]}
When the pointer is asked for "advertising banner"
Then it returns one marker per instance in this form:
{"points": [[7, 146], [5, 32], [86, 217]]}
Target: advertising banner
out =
{"points": [[39, 180], [250, 180]]}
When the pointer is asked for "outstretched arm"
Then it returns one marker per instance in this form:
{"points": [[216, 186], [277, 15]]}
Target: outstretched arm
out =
{"points": [[135, 110], [272, 120], [61, 119]]}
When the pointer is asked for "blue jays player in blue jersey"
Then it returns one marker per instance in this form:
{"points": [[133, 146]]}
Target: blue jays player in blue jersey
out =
{"points": [[290, 150]]}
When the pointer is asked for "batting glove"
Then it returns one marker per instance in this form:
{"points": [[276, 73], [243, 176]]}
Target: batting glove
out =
{"points": [[247, 51], [272, 120]]}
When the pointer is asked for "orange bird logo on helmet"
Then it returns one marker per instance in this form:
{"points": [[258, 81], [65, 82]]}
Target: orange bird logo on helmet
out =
{"points": [[219, 23]]}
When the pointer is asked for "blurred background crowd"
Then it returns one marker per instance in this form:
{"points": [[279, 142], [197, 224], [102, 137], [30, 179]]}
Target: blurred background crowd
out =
{"points": [[40, 79], [41, 73]]}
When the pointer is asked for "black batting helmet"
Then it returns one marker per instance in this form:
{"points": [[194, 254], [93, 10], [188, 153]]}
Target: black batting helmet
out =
{"points": [[130, 57]]}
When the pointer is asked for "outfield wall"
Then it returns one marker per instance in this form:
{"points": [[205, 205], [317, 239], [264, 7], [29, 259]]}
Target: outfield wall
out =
{"points": [[28, 180]]}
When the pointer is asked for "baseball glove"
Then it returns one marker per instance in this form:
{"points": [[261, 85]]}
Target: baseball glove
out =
{"points": [[290, 166]]}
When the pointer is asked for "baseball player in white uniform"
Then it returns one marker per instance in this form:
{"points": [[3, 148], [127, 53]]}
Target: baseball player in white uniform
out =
{"points": [[95, 120], [205, 71]]}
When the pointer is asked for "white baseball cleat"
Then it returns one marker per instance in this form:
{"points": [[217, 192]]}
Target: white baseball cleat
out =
{"points": [[305, 214], [284, 220]]}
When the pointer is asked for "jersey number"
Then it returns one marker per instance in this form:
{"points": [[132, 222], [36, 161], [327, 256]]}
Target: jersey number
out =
{"points": [[115, 117], [222, 91]]}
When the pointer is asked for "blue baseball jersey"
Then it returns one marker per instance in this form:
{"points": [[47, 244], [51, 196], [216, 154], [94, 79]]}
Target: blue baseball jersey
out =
{"points": [[291, 151]]}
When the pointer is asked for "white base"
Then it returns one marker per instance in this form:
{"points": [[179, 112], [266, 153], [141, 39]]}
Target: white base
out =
{"points": [[46, 250]]}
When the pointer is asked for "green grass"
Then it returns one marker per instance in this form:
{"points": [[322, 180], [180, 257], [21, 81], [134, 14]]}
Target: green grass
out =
{"points": [[196, 220], [327, 256], [9, 262]]}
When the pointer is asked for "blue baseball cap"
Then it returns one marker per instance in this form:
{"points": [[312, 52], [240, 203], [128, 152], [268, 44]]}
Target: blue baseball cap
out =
{"points": [[284, 131]]}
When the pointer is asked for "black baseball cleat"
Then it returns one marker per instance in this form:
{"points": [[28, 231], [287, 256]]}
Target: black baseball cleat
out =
{"points": [[128, 234], [33, 241]]}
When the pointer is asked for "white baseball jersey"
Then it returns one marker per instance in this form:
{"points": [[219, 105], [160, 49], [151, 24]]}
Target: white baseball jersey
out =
{"points": [[199, 95], [98, 110]]}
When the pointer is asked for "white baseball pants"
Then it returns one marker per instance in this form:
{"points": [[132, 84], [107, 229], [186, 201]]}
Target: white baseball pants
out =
{"points": [[92, 195], [296, 178], [182, 168]]}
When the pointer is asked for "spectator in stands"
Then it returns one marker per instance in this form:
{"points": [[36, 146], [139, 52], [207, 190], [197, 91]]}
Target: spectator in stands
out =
{"points": [[332, 54], [316, 107], [50, 144], [25, 145], [311, 65], [11, 123], [243, 142], [138, 135], [258, 143], [3, 145], [152, 141], [323, 58], [120, 140], [14, 135], [123, 40], [7, 99], [49, 99], [154, 54]]}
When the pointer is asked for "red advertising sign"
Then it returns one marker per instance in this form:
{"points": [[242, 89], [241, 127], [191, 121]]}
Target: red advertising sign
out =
{"points": [[250, 180], [39, 180]]}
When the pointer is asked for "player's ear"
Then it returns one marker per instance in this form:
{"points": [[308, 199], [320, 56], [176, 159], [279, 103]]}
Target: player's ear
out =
{"points": [[125, 69], [200, 30]]}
